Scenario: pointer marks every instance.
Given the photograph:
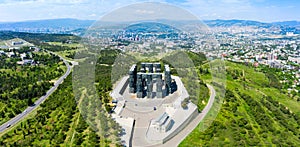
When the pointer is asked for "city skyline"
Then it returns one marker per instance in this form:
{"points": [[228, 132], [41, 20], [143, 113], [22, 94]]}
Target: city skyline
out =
{"points": [[258, 10]]}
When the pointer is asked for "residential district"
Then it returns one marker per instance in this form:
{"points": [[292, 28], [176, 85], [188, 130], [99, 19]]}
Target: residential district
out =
{"points": [[274, 47]]}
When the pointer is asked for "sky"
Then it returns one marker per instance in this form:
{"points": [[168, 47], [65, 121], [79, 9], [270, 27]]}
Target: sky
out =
{"points": [[259, 10]]}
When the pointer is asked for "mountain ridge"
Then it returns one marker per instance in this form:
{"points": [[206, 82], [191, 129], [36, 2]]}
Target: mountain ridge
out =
{"points": [[70, 24]]}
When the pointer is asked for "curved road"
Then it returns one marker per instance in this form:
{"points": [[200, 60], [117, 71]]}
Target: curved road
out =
{"points": [[176, 140], [29, 109]]}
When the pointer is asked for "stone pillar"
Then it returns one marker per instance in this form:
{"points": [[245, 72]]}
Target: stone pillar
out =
{"points": [[159, 84], [157, 67], [149, 78], [149, 86], [150, 68], [150, 90], [143, 67], [168, 79], [132, 79], [140, 86]]}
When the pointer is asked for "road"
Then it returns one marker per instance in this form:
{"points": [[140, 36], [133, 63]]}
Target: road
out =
{"points": [[29, 109], [176, 140]]}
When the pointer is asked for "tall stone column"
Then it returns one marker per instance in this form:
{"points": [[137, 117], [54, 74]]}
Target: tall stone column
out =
{"points": [[140, 86], [150, 68], [132, 79], [149, 86], [159, 84], [150, 90], [143, 67], [168, 79], [157, 67]]}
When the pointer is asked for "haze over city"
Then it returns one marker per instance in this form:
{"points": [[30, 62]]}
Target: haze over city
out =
{"points": [[259, 10]]}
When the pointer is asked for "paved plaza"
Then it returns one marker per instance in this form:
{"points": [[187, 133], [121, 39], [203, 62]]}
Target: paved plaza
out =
{"points": [[144, 110]]}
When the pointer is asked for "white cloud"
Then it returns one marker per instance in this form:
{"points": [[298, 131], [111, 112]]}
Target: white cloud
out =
{"points": [[93, 15], [144, 11]]}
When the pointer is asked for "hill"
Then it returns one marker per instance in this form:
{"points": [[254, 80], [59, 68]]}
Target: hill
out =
{"points": [[288, 23], [67, 25], [38, 38], [47, 26], [57, 121], [150, 27], [234, 22], [254, 113]]}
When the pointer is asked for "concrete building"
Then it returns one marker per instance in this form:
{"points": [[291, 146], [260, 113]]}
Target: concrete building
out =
{"points": [[17, 42], [163, 123]]}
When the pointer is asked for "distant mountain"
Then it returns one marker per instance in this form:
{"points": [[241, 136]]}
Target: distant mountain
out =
{"points": [[285, 26], [64, 22], [75, 26], [288, 23], [47, 26], [234, 22], [150, 27]]}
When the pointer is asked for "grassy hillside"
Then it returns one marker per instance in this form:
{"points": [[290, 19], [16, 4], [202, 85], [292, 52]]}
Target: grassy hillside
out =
{"points": [[252, 114], [57, 122]]}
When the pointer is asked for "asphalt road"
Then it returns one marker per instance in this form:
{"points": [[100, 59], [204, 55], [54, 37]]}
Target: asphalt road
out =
{"points": [[29, 109], [176, 140]]}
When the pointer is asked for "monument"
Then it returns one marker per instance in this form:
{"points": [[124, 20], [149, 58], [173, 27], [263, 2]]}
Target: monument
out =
{"points": [[149, 76], [150, 97]]}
